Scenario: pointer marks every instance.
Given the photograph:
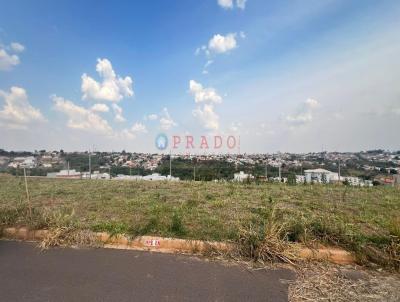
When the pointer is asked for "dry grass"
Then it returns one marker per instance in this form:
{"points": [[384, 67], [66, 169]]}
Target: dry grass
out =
{"points": [[324, 282], [265, 243], [366, 221], [64, 236]]}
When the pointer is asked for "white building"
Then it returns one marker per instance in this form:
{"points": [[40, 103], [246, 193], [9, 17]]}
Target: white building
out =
{"points": [[278, 179], [152, 177], [300, 179], [320, 176], [28, 162], [241, 176], [95, 175], [353, 181], [357, 182], [69, 174], [128, 177]]}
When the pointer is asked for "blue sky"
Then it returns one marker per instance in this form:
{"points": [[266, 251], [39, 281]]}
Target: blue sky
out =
{"points": [[284, 75]]}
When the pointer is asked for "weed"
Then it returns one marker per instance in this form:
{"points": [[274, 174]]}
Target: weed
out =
{"points": [[177, 228], [218, 204], [209, 196], [64, 236], [10, 215], [112, 227], [265, 242], [192, 203]]}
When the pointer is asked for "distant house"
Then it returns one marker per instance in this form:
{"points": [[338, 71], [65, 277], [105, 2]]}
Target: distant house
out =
{"points": [[389, 180], [157, 176], [28, 162], [128, 177], [154, 176], [300, 179], [4, 160], [278, 179], [352, 181], [68, 174], [95, 175], [241, 176], [320, 176]]}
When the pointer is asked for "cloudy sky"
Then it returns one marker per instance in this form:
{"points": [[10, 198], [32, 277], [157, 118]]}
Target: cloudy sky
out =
{"points": [[293, 76]]}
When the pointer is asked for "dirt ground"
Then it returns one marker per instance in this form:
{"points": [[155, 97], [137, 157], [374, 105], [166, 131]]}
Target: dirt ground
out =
{"points": [[327, 282]]}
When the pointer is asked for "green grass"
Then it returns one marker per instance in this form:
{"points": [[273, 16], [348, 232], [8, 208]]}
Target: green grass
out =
{"points": [[364, 220]]}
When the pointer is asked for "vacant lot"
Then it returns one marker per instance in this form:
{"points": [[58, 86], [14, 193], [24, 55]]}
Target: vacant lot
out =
{"points": [[364, 220]]}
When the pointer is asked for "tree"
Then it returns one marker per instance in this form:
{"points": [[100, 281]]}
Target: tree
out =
{"points": [[375, 183], [324, 179], [291, 179]]}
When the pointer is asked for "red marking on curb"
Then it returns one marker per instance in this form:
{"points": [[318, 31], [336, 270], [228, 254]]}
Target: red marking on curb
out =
{"points": [[153, 242]]}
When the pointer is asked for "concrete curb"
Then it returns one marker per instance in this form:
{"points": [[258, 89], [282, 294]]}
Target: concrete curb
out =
{"points": [[173, 245]]}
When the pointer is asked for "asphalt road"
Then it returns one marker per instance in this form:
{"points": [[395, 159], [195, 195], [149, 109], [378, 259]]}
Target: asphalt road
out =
{"points": [[28, 274]]}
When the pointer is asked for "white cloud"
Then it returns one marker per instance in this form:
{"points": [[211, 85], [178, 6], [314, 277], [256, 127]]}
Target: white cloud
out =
{"points": [[17, 47], [88, 120], [113, 88], [152, 117], [17, 111], [165, 119], [203, 94], [311, 104], [81, 118], [207, 116], [219, 44], [227, 4], [118, 113], [208, 63], [8, 61], [222, 44], [241, 4], [304, 114], [166, 122], [208, 97], [8, 58], [131, 133], [100, 108], [138, 128], [235, 127]]}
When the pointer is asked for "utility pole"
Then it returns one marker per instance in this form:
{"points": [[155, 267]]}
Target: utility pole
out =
{"points": [[27, 195], [339, 171], [90, 166], [266, 172], [280, 178], [194, 173], [170, 164], [68, 167], [109, 172]]}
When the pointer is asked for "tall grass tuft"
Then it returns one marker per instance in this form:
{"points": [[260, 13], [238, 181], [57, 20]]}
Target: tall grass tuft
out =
{"points": [[265, 242]]}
